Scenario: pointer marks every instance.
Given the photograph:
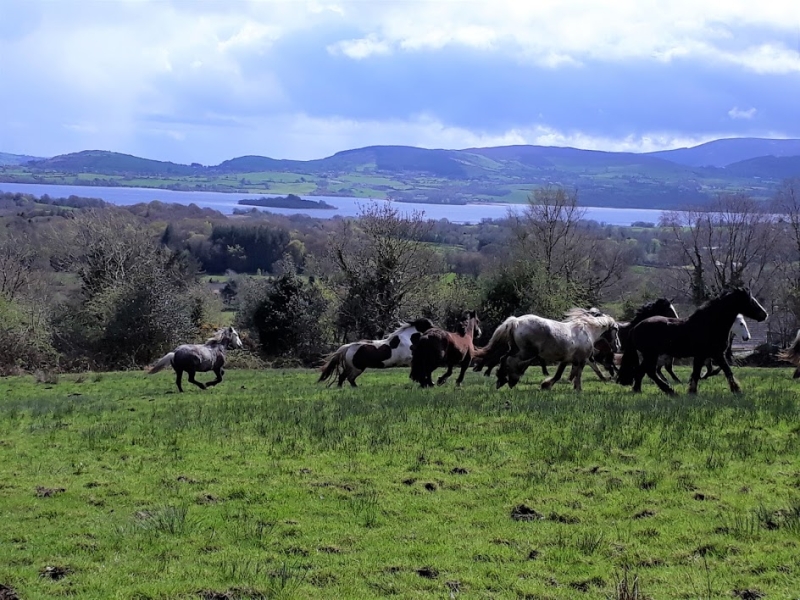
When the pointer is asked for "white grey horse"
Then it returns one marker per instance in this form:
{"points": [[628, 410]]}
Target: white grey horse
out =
{"points": [[194, 358], [530, 338]]}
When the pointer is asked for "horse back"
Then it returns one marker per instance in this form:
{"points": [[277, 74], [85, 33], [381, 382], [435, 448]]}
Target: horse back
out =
{"points": [[679, 338]]}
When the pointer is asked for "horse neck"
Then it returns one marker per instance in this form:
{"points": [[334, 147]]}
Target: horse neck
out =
{"points": [[597, 326], [469, 330], [721, 314]]}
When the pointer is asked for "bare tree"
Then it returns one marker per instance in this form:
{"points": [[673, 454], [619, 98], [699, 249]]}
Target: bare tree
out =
{"points": [[382, 263], [727, 243], [17, 258], [549, 232]]}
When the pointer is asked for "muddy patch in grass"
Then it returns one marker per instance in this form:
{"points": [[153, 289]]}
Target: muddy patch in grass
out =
{"points": [[523, 512], [431, 487], [645, 514], [748, 594], [428, 572], [231, 594], [56, 573], [588, 584], [46, 492], [459, 471], [7, 593]]}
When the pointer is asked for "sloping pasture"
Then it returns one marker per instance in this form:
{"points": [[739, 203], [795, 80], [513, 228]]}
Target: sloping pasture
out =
{"points": [[270, 486]]}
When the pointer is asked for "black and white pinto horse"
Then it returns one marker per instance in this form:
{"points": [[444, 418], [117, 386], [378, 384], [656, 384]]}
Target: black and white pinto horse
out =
{"points": [[703, 335], [194, 358], [351, 360]]}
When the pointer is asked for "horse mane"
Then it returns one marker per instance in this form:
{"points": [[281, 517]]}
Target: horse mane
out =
{"points": [[218, 337], [712, 303], [403, 325], [646, 310], [581, 314]]}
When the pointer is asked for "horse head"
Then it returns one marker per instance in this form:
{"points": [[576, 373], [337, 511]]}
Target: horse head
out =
{"points": [[740, 328], [229, 338], [747, 304], [473, 316]]}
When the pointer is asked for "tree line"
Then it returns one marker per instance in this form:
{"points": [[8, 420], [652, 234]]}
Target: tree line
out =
{"points": [[86, 285]]}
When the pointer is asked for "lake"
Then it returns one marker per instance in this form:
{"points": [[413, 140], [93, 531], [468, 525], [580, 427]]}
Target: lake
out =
{"points": [[345, 206]]}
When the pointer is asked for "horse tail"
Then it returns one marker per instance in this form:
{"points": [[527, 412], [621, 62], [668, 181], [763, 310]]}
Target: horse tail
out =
{"points": [[501, 341], [792, 353], [165, 361], [628, 365], [334, 363]]}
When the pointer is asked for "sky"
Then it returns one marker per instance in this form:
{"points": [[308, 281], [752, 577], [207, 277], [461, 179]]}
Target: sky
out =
{"points": [[207, 80]]}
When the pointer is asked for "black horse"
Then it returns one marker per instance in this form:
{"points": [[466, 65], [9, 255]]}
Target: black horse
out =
{"points": [[703, 335]]}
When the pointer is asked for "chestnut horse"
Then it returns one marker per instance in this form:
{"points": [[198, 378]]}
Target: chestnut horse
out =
{"points": [[439, 348]]}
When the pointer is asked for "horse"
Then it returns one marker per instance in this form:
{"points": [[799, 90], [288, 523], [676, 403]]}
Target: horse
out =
{"points": [[523, 340], [739, 328], [603, 350], [352, 359], [703, 335], [439, 348], [194, 358]]}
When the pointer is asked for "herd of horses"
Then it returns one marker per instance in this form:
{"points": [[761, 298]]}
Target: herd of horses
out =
{"points": [[626, 350], [586, 336]]}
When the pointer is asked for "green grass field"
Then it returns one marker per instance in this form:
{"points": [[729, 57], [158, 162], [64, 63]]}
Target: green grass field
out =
{"points": [[271, 486]]}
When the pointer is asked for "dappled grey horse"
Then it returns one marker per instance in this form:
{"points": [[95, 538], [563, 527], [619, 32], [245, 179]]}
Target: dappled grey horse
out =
{"points": [[194, 358]]}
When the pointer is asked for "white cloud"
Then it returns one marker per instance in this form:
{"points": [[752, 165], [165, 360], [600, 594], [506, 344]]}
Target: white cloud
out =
{"points": [[738, 113], [361, 48]]}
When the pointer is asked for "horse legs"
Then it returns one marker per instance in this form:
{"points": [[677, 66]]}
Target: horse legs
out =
{"points": [[349, 375], [726, 368], [577, 371], [192, 380], [464, 367], [548, 383], [595, 368], [650, 364], [219, 373], [668, 366], [178, 377], [697, 367], [443, 378]]}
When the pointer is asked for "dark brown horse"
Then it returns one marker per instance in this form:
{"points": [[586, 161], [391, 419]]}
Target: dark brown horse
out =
{"points": [[439, 348], [703, 335], [603, 349]]}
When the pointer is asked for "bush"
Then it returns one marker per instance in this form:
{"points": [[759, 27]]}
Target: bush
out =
{"points": [[288, 317]]}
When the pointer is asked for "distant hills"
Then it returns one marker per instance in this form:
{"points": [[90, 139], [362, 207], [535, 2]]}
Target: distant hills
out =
{"points": [[665, 179], [721, 153], [15, 159]]}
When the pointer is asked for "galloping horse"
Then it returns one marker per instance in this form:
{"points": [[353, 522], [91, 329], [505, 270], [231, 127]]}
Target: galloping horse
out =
{"points": [[527, 339], [439, 348], [194, 358], [352, 359], [704, 334]]}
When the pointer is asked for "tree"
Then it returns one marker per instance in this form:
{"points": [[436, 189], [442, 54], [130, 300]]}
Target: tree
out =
{"points": [[137, 297], [727, 243], [382, 262], [17, 257], [549, 233], [287, 314]]}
